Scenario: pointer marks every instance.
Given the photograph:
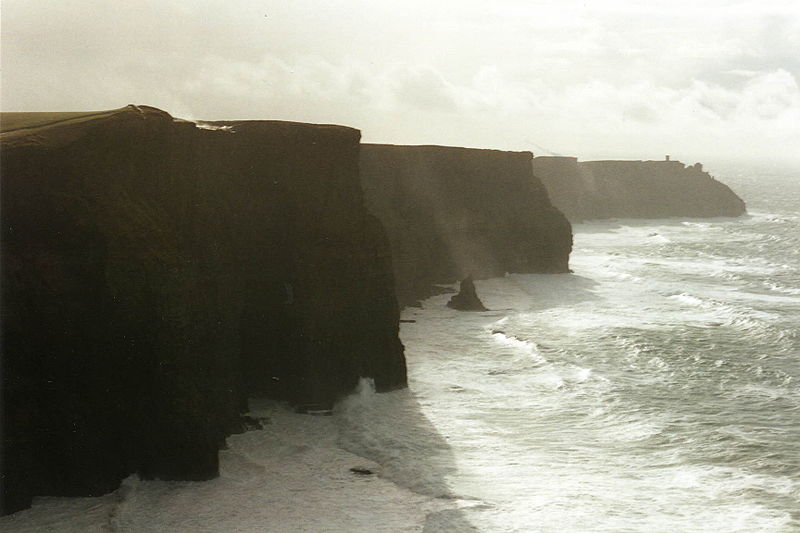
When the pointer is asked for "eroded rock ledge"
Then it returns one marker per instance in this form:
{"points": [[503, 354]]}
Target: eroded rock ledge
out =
{"points": [[156, 273]]}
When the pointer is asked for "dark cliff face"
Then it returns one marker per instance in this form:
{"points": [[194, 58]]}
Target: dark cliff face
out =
{"points": [[156, 274], [634, 189], [451, 212]]}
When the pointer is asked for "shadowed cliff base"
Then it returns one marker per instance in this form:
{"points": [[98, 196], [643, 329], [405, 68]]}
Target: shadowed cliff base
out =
{"points": [[634, 189], [454, 211], [297, 473], [156, 273]]}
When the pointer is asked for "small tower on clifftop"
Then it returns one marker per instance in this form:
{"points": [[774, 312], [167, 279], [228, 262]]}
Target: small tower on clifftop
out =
{"points": [[666, 158]]}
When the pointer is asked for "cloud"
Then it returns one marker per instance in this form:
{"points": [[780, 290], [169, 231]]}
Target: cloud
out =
{"points": [[423, 88], [578, 76]]}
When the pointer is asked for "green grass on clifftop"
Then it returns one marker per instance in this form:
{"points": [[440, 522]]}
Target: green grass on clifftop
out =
{"points": [[12, 121]]}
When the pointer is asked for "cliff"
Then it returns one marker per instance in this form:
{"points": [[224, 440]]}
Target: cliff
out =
{"points": [[155, 274], [451, 212], [634, 189]]}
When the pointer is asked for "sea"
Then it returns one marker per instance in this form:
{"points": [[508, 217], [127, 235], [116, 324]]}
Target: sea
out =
{"points": [[656, 388]]}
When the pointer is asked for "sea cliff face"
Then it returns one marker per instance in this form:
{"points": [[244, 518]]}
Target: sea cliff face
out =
{"points": [[452, 212], [157, 273], [634, 189]]}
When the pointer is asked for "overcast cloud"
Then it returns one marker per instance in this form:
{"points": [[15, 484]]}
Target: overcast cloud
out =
{"points": [[698, 80]]}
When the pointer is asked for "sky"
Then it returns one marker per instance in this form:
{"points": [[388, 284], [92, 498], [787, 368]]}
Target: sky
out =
{"points": [[700, 80]]}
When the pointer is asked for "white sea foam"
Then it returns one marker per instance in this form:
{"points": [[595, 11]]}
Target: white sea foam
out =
{"points": [[289, 477], [618, 416], [780, 288]]}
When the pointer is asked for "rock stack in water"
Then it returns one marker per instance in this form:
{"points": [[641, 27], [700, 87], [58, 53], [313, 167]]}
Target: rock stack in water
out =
{"points": [[467, 297], [156, 273]]}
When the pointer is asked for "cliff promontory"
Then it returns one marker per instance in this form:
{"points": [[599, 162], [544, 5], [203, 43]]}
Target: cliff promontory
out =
{"points": [[452, 212], [157, 272], [634, 189]]}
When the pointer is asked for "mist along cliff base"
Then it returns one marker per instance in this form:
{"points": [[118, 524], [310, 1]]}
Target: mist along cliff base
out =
{"points": [[453, 212], [156, 273], [634, 189]]}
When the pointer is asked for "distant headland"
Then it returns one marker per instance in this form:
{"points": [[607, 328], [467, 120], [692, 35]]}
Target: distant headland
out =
{"points": [[586, 190]]}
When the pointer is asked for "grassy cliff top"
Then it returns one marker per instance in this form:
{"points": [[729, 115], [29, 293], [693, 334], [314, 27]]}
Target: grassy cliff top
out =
{"points": [[24, 123], [22, 120]]}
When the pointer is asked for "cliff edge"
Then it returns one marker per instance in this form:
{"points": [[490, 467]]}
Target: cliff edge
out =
{"points": [[634, 189], [450, 212], [157, 272]]}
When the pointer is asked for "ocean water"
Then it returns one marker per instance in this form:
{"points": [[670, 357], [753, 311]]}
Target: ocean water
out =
{"points": [[655, 389]]}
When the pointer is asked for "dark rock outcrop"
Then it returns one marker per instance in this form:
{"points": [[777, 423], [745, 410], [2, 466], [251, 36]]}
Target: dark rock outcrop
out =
{"points": [[155, 274], [467, 297], [453, 211], [634, 189]]}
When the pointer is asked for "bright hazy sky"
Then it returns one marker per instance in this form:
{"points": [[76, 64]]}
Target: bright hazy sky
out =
{"points": [[699, 79]]}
